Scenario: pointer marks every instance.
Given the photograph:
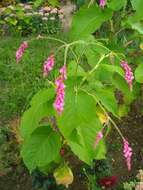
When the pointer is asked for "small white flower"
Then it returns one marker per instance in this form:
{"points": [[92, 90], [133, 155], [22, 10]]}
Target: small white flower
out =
{"points": [[40, 13], [28, 14], [21, 4], [35, 13], [28, 7], [46, 14], [52, 18], [11, 7], [45, 18], [61, 16]]}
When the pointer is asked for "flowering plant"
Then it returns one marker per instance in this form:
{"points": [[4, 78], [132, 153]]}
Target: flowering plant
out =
{"points": [[77, 107]]}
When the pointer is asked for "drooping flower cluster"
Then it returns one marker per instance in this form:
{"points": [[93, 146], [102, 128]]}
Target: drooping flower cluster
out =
{"points": [[127, 153], [128, 73], [102, 3], [98, 138], [20, 51], [48, 65], [60, 90]]}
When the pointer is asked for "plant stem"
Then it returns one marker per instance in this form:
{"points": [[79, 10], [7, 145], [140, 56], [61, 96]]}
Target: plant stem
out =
{"points": [[92, 70], [107, 115]]}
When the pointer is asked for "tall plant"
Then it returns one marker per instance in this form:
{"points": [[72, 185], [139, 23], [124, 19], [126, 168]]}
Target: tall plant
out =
{"points": [[79, 105]]}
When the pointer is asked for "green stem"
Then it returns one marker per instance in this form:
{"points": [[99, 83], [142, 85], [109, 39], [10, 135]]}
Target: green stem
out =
{"points": [[92, 70], [90, 3], [107, 115], [48, 38]]}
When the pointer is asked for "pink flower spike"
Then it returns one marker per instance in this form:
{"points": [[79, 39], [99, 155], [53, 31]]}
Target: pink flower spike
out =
{"points": [[127, 153], [48, 65], [102, 3], [20, 51], [63, 72], [60, 90], [129, 77], [98, 138]]}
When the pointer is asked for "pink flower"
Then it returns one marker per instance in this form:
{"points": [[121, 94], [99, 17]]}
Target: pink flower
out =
{"points": [[128, 73], [98, 138], [63, 72], [60, 91], [48, 65], [20, 51], [127, 153], [102, 3]]}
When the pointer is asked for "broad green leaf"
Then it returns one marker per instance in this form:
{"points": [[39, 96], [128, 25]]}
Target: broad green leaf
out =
{"points": [[42, 96], [79, 110], [139, 73], [87, 20], [116, 5], [136, 23], [137, 6], [42, 106], [85, 149], [105, 72], [54, 2], [121, 84], [79, 124], [41, 148], [74, 69], [107, 98]]}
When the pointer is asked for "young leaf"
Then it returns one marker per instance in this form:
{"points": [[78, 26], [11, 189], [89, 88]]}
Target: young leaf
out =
{"points": [[87, 136], [87, 20], [139, 73], [116, 5], [108, 100], [41, 148], [80, 108], [41, 106]]}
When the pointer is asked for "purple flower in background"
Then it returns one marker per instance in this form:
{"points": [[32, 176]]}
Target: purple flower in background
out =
{"points": [[127, 153], [48, 65], [102, 3], [128, 73], [20, 51]]}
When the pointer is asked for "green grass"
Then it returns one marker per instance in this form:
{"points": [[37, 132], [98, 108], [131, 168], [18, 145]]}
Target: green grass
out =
{"points": [[18, 82]]}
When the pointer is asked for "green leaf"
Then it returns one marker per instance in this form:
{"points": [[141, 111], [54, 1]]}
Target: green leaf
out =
{"points": [[41, 148], [42, 106], [107, 98], [105, 72], [87, 20], [137, 6], [139, 73], [74, 69], [79, 125], [85, 149], [54, 2], [42, 96], [80, 108], [116, 5]]}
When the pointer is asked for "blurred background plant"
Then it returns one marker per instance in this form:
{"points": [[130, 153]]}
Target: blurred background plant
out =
{"points": [[25, 19]]}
